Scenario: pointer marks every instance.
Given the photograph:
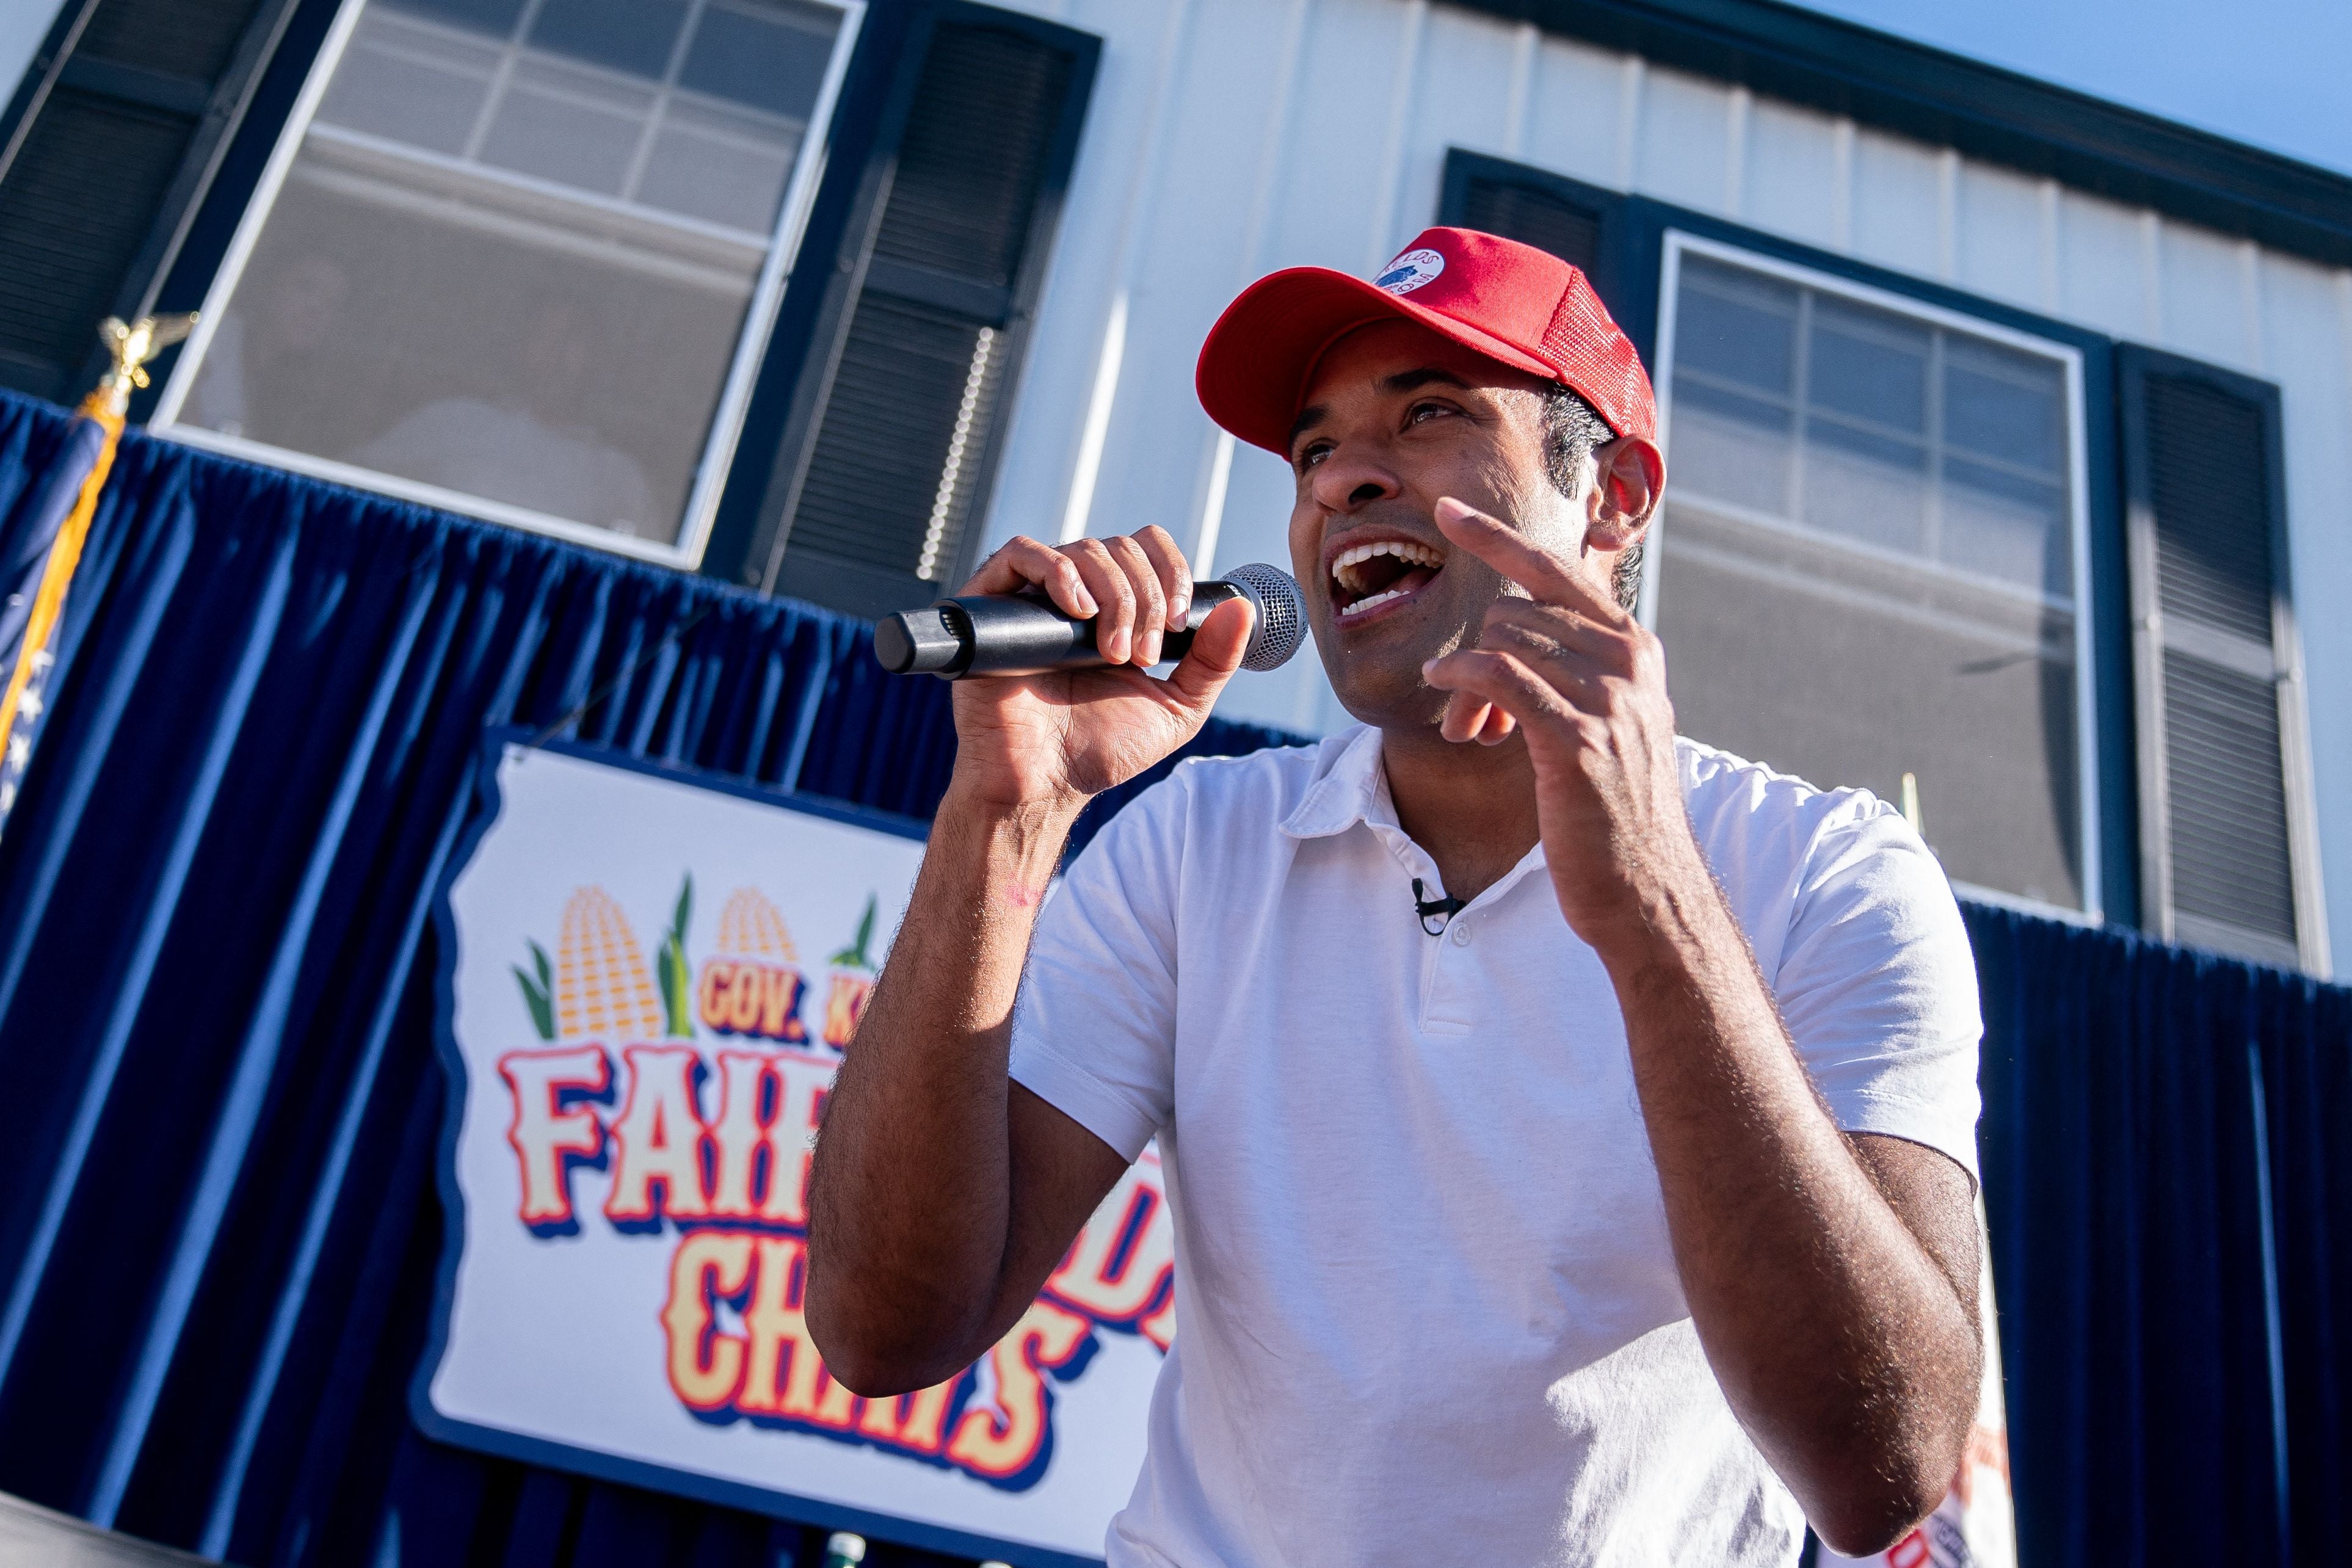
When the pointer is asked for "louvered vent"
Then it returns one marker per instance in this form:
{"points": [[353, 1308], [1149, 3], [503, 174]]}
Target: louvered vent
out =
{"points": [[2212, 527], [84, 201], [895, 474], [192, 38], [968, 169], [75, 207], [2230, 865], [2204, 479], [879, 487], [1534, 218]]}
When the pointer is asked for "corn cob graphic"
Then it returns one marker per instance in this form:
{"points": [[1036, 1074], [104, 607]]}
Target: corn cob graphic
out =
{"points": [[752, 984], [751, 926], [603, 987]]}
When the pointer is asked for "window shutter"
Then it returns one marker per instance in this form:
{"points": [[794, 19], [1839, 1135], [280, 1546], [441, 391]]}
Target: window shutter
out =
{"points": [[1534, 218], [1550, 212], [130, 103], [2224, 839], [902, 407]]}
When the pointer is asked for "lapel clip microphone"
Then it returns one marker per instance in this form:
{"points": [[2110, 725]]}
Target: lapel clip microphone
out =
{"points": [[1444, 909]]}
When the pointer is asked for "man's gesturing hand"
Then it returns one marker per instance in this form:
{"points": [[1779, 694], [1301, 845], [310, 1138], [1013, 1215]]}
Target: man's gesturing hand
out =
{"points": [[1057, 739], [1832, 1277], [1586, 685]]}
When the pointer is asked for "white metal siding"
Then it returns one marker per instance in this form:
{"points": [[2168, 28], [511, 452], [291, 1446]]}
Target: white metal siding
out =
{"points": [[1231, 137]]}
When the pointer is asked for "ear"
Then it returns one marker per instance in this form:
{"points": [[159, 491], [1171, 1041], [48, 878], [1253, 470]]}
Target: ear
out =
{"points": [[1629, 476]]}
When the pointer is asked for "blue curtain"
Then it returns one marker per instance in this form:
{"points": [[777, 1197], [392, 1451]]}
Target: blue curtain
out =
{"points": [[218, 1225], [2167, 1142]]}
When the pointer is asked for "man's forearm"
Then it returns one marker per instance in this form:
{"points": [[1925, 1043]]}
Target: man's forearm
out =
{"points": [[911, 1186], [1845, 1349]]}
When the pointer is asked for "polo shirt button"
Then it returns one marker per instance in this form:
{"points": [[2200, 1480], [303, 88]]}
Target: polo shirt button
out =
{"points": [[1461, 933]]}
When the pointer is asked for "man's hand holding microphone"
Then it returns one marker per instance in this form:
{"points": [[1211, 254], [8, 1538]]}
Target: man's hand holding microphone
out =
{"points": [[1058, 739], [923, 1105]]}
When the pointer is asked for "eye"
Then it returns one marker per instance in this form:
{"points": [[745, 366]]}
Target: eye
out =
{"points": [[1311, 454], [1421, 413]]}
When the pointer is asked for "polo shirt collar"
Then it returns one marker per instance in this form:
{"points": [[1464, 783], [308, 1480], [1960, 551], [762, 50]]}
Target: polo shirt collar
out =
{"points": [[1350, 786]]}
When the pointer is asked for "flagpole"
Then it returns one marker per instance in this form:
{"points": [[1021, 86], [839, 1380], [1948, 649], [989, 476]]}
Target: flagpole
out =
{"points": [[32, 611]]}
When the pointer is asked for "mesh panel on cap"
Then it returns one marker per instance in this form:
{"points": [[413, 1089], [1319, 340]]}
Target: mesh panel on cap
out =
{"points": [[1597, 360]]}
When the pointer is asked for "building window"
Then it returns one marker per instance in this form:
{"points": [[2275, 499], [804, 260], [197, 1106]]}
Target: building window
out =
{"points": [[1872, 558], [1874, 561], [519, 257]]}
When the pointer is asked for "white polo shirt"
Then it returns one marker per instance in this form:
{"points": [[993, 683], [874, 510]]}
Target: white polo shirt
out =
{"points": [[1428, 1311]]}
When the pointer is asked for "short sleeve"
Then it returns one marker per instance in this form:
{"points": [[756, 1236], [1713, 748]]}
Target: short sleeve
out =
{"points": [[1094, 1029], [1878, 984]]}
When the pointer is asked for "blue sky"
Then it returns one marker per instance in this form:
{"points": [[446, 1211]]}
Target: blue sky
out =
{"points": [[2274, 73]]}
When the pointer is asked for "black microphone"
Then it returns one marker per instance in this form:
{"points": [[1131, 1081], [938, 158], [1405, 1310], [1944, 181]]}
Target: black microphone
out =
{"points": [[1028, 634]]}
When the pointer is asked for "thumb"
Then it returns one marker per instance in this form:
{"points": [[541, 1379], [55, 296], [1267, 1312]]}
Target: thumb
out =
{"points": [[1216, 653]]}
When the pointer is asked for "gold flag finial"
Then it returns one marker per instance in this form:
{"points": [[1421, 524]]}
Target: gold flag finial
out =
{"points": [[132, 344]]}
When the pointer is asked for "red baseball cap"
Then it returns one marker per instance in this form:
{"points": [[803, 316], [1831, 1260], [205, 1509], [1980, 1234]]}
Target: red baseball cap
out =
{"points": [[1523, 307]]}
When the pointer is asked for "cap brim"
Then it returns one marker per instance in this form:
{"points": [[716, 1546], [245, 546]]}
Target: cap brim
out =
{"points": [[1253, 366]]}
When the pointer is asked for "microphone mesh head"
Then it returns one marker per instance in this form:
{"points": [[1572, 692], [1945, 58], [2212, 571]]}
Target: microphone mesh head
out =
{"points": [[1281, 617]]}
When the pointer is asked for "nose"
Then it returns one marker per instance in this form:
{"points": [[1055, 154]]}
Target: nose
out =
{"points": [[1346, 481]]}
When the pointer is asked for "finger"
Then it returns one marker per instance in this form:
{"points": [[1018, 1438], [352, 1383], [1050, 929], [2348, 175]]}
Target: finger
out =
{"points": [[1559, 633], [1023, 562], [1498, 727], [1115, 625], [1547, 577], [1460, 718], [1468, 717], [1175, 572], [1465, 718], [1495, 678], [1573, 681], [1150, 598], [1216, 653]]}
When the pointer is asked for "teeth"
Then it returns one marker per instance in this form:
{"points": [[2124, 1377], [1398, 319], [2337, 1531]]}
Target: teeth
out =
{"points": [[1403, 550], [1361, 605]]}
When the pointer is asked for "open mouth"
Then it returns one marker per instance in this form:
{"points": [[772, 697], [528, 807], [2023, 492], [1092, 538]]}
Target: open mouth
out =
{"points": [[1382, 572]]}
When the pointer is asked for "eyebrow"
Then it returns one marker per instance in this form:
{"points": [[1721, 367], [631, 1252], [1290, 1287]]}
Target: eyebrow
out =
{"points": [[1402, 382]]}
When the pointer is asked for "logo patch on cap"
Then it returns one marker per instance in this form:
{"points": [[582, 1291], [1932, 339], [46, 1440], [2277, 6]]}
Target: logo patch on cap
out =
{"points": [[1409, 271]]}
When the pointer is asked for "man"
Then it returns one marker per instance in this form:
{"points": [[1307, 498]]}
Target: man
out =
{"points": [[1586, 1226]]}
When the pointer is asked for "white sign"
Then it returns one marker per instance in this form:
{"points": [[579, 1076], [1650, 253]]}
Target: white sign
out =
{"points": [[649, 984]]}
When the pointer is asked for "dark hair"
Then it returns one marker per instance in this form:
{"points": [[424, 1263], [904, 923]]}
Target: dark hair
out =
{"points": [[1571, 430]]}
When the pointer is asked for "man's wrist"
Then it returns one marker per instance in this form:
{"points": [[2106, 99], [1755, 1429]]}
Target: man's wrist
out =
{"points": [[1029, 834], [1672, 918]]}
